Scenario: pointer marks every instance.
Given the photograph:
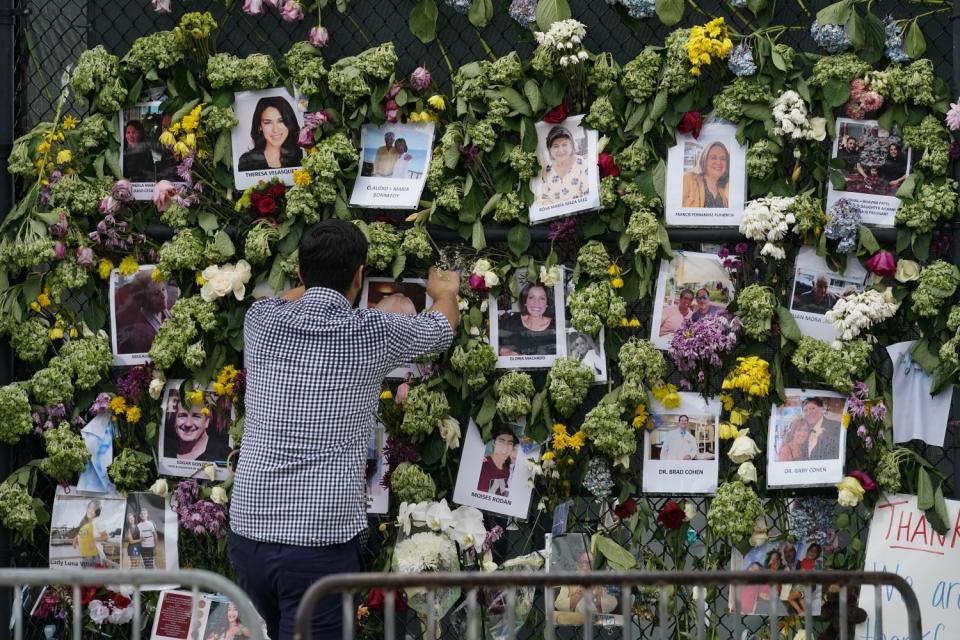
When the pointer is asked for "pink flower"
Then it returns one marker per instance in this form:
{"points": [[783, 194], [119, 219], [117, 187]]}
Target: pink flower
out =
{"points": [[420, 78], [163, 191], [953, 116], [306, 139], [393, 91], [108, 205], [853, 110], [59, 250], [315, 119], [865, 480], [319, 37], [161, 6], [402, 392], [123, 190], [478, 284], [883, 264], [857, 87], [871, 101], [84, 256], [253, 7], [392, 115], [291, 11]]}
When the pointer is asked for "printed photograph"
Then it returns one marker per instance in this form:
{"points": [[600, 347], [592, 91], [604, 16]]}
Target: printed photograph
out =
{"points": [[706, 178], [588, 351], [265, 140], [196, 432], [816, 288], [393, 165], [569, 179], [149, 533], [494, 473], [786, 599], [86, 530], [571, 552], [407, 297], [690, 287], [807, 440], [680, 446], [138, 306], [224, 622], [144, 161], [683, 437], [528, 331], [177, 618], [875, 164], [378, 496]]}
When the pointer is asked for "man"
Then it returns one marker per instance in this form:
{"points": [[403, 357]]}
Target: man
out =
{"points": [[704, 307], [823, 443], [850, 155], [674, 316], [495, 470], [315, 366], [146, 312], [386, 158], [148, 539], [818, 300], [679, 444]]}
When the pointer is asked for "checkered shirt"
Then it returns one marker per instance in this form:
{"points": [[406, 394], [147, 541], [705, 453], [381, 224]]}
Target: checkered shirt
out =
{"points": [[314, 371]]}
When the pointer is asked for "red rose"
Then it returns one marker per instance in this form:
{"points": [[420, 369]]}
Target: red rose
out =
{"points": [[690, 123], [625, 509], [883, 264], [556, 115], [120, 601], [671, 516], [478, 284], [266, 205], [377, 598], [607, 166], [276, 191], [255, 197], [87, 594]]}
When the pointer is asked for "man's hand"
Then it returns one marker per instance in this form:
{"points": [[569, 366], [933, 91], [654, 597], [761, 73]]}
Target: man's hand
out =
{"points": [[443, 287]]}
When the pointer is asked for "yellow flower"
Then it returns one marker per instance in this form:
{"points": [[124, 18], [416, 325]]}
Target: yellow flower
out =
{"points": [[386, 394], [191, 140], [181, 150], [43, 147], [219, 388], [549, 455], [727, 401], [728, 431], [301, 178], [167, 139], [174, 128], [64, 156], [624, 322], [194, 397], [157, 276], [105, 268], [55, 333], [133, 414], [44, 299], [613, 270], [617, 283], [118, 404], [671, 400], [199, 279], [69, 123], [739, 417], [362, 612], [128, 266], [437, 102], [845, 420], [205, 411], [73, 332], [35, 306], [634, 323]]}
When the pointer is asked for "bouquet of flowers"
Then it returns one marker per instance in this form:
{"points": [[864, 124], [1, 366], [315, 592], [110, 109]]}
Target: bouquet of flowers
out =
{"points": [[264, 200], [698, 347]]}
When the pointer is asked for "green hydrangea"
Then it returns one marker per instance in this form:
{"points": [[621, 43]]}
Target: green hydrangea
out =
{"points": [[936, 285], [514, 391], [98, 74], [305, 64], [379, 62], [20, 163], [730, 101], [608, 432], [195, 356], [887, 472], [640, 75], [482, 134], [177, 216], [593, 259], [29, 339], [256, 71], [843, 67], [256, 247], [216, 119], [838, 368], [346, 80], [88, 360], [476, 363], [188, 317], [67, 455], [301, 203], [608, 192], [91, 132], [423, 411], [644, 229], [604, 73], [763, 157], [636, 157], [185, 252], [65, 276], [755, 307], [15, 413], [568, 385], [469, 82], [410, 483], [130, 470], [510, 208], [932, 204], [416, 242], [676, 69], [787, 54], [640, 360], [384, 243], [733, 511], [52, 384], [602, 117], [933, 139], [450, 194], [503, 71], [912, 84], [525, 164], [160, 50], [16, 510], [24, 254], [808, 213], [79, 196], [594, 306]]}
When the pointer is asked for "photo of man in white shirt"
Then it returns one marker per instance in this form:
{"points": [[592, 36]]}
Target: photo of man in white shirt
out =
{"points": [[679, 444]]}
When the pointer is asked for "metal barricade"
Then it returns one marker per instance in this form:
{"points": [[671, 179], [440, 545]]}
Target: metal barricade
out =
{"points": [[136, 578], [350, 583]]}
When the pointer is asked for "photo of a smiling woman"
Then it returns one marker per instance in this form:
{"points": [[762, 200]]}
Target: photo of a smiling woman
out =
{"points": [[274, 131], [707, 186], [533, 329], [564, 177], [196, 432]]}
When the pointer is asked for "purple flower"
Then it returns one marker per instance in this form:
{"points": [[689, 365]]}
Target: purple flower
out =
{"points": [[420, 79], [84, 256], [562, 229], [878, 411], [100, 404], [315, 119], [109, 205], [161, 6], [319, 37], [59, 228], [741, 248], [253, 7], [492, 536], [862, 430], [855, 407], [864, 479], [59, 250], [699, 344], [955, 150], [123, 190], [468, 155], [135, 382], [291, 11], [861, 390], [305, 138], [723, 252]]}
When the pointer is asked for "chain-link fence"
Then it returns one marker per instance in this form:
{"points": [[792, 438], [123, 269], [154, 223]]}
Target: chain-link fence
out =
{"points": [[50, 37]]}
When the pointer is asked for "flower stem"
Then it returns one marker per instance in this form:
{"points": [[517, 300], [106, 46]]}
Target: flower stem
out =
{"points": [[484, 44]]}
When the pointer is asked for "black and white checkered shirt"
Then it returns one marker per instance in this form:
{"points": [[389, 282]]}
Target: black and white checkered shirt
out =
{"points": [[314, 371]]}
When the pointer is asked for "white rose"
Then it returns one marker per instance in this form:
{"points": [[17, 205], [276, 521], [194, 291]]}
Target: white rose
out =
{"points": [[689, 511], [120, 616], [450, 432], [550, 277], [210, 471], [98, 611], [218, 283], [483, 305], [160, 488], [747, 472], [219, 495], [156, 387], [481, 266], [847, 498], [491, 279], [759, 536], [818, 129], [743, 448]]}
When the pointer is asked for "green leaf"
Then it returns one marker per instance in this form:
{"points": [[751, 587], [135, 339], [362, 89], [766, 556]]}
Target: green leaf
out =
{"points": [[223, 243], [94, 315], [223, 149], [756, 6], [778, 60], [659, 106], [481, 11], [924, 356], [208, 222], [398, 264], [516, 101], [856, 30], [939, 518], [112, 158], [924, 490], [659, 178], [670, 12], [907, 187], [423, 21], [617, 557], [550, 11], [532, 91], [836, 92], [867, 240], [788, 326], [757, 111], [913, 41], [433, 449], [477, 239], [836, 13], [487, 410], [518, 239]]}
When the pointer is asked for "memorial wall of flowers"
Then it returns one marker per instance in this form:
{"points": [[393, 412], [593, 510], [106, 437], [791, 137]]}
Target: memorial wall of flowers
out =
{"points": [[598, 358]]}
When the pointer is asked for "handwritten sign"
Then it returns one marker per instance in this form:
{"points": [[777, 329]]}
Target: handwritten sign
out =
{"points": [[902, 541]]}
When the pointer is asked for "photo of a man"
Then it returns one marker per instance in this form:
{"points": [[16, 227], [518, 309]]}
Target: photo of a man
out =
{"points": [[816, 299], [823, 443], [392, 166], [386, 157], [679, 443], [690, 287], [139, 305], [499, 462]]}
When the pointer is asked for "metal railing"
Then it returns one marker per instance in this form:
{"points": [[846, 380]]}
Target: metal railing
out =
{"points": [[350, 583], [137, 578]]}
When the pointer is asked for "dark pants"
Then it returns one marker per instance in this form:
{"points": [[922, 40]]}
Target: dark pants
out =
{"points": [[276, 576]]}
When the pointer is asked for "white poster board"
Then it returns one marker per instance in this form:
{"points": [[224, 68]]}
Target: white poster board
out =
{"points": [[901, 541], [806, 443], [394, 159], [680, 451]]}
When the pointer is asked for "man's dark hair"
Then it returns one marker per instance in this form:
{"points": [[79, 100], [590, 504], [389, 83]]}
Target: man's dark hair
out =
{"points": [[330, 252], [814, 400], [503, 429], [687, 292]]}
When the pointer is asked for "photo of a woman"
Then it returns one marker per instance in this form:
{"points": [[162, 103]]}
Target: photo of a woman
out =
{"points": [[496, 467], [227, 627], [137, 157], [90, 537], [707, 186], [401, 168], [132, 539], [274, 131], [532, 330], [583, 347], [564, 177]]}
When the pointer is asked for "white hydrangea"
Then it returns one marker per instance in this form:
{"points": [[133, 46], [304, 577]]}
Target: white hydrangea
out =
{"points": [[768, 220], [855, 312], [550, 277], [792, 120]]}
